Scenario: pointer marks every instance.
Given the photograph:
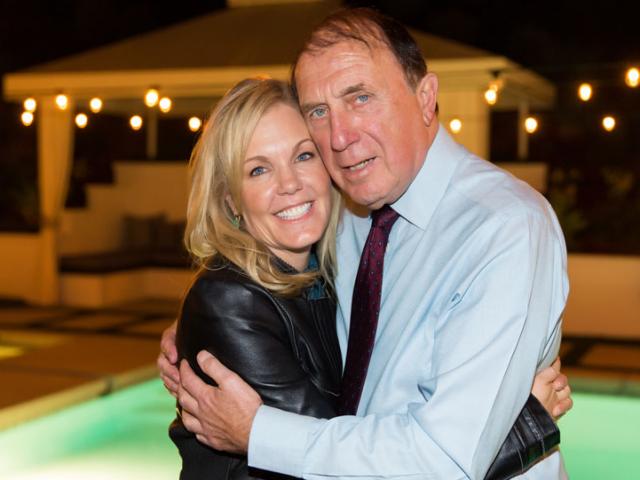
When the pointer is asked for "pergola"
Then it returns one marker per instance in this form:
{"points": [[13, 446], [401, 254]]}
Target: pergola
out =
{"points": [[198, 60]]}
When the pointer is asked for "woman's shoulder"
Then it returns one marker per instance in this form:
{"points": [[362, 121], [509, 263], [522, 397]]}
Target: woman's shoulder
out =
{"points": [[222, 285]]}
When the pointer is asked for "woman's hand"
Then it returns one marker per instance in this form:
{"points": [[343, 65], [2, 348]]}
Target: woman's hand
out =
{"points": [[551, 388]]}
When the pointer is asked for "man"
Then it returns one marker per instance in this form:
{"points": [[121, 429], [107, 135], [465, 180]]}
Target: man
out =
{"points": [[474, 283]]}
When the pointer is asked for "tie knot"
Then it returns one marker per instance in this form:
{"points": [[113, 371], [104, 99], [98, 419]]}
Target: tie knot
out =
{"points": [[384, 217]]}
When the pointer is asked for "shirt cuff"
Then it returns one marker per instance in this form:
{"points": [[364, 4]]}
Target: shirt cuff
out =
{"points": [[279, 440]]}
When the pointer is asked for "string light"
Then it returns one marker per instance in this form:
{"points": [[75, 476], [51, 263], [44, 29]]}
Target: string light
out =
{"points": [[95, 104], [632, 78], [194, 124], [27, 118], [165, 104], [151, 97], [585, 91], [62, 101], [608, 123], [491, 96], [81, 120], [455, 125], [136, 122], [30, 105], [531, 125]]}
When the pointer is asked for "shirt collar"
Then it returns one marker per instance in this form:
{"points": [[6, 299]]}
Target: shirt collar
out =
{"points": [[419, 202]]}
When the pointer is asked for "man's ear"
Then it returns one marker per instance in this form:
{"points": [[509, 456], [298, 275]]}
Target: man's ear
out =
{"points": [[427, 92]]}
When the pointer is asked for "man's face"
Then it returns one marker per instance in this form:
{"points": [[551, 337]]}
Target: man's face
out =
{"points": [[366, 121]]}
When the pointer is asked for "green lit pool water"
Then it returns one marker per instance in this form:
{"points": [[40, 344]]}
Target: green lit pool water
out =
{"points": [[123, 436]]}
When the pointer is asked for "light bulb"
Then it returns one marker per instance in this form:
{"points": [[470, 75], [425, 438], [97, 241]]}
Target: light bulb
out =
{"points": [[632, 78], [194, 124], [455, 125], [585, 91], [27, 118], [608, 123], [165, 104], [95, 104], [62, 101], [151, 97], [531, 125], [491, 96], [136, 122], [30, 104], [81, 120]]}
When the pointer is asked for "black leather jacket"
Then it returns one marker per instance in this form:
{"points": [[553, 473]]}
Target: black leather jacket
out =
{"points": [[287, 350]]}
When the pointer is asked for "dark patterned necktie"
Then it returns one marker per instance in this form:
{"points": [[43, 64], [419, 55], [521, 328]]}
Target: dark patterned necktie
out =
{"points": [[365, 308]]}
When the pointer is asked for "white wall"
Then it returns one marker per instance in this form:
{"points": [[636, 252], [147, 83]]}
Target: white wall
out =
{"points": [[148, 188], [534, 173], [104, 290], [469, 106], [140, 188], [19, 255], [605, 296]]}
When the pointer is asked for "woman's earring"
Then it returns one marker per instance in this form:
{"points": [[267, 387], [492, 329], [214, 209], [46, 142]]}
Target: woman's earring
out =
{"points": [[236, 221]]}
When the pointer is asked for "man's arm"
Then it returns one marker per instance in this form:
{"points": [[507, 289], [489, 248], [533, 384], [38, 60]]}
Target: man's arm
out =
{"points": [[488, 348], [244, 327]]}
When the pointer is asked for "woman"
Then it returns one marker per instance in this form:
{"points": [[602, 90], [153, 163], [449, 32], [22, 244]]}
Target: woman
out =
{"points": [[262, 219]]}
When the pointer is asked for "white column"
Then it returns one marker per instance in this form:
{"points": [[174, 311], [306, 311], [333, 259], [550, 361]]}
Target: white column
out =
{"points": [[469, 106], [152, 133], [55, 151], [523, 137]]}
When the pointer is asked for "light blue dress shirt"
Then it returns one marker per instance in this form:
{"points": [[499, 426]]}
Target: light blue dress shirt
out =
{"points": [[473, 291]]}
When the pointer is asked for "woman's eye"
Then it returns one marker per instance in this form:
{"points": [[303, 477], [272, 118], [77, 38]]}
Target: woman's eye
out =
{"points": [[257, 171], [304, 156]]}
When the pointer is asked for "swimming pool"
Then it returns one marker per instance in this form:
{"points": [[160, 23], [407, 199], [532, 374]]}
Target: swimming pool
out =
{"points": [[123, 436]]}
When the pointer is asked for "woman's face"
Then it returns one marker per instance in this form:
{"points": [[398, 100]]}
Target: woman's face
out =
{"points": [[285, 189]]}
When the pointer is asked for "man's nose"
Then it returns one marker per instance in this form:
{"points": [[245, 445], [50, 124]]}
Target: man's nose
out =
{"points": [[289, 180], [343, 133]]}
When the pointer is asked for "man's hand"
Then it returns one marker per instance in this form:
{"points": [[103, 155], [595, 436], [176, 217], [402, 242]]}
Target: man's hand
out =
{"points": [[167, 359], [552, 390], [221, 417]]}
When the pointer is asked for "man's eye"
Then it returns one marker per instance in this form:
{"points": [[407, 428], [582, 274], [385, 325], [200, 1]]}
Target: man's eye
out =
{"points": [[318, 112], [257, 171], [305, 156], [364, 98]]}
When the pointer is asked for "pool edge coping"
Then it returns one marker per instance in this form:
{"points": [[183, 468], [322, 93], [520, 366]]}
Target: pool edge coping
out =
{"points": [[23, 412]]}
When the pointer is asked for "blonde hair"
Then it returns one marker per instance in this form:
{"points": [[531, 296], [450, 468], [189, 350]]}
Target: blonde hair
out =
{"points": [[216, 174]]}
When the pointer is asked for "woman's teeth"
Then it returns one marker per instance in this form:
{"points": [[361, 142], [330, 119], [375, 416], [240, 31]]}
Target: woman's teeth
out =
{"points": [[294, 213], [360, 165]]}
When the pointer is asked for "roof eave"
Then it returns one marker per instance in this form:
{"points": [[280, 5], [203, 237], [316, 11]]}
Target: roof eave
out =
{"points": [[116, 84]]}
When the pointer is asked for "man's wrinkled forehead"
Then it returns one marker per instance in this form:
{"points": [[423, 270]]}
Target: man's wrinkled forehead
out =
{"points": [[349, 51]]}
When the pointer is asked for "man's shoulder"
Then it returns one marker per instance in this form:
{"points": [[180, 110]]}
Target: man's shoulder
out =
{"points": [[492, 191]]}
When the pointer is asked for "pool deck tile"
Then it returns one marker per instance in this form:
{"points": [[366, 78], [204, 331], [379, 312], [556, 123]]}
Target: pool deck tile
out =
{"points": [[93, 355], [22, 385], [153, 327], [612, 356], [96, 321]]}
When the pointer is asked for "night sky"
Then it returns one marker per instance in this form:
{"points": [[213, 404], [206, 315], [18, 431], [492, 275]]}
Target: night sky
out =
{"points": [[594, 175], [556, 38]]}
